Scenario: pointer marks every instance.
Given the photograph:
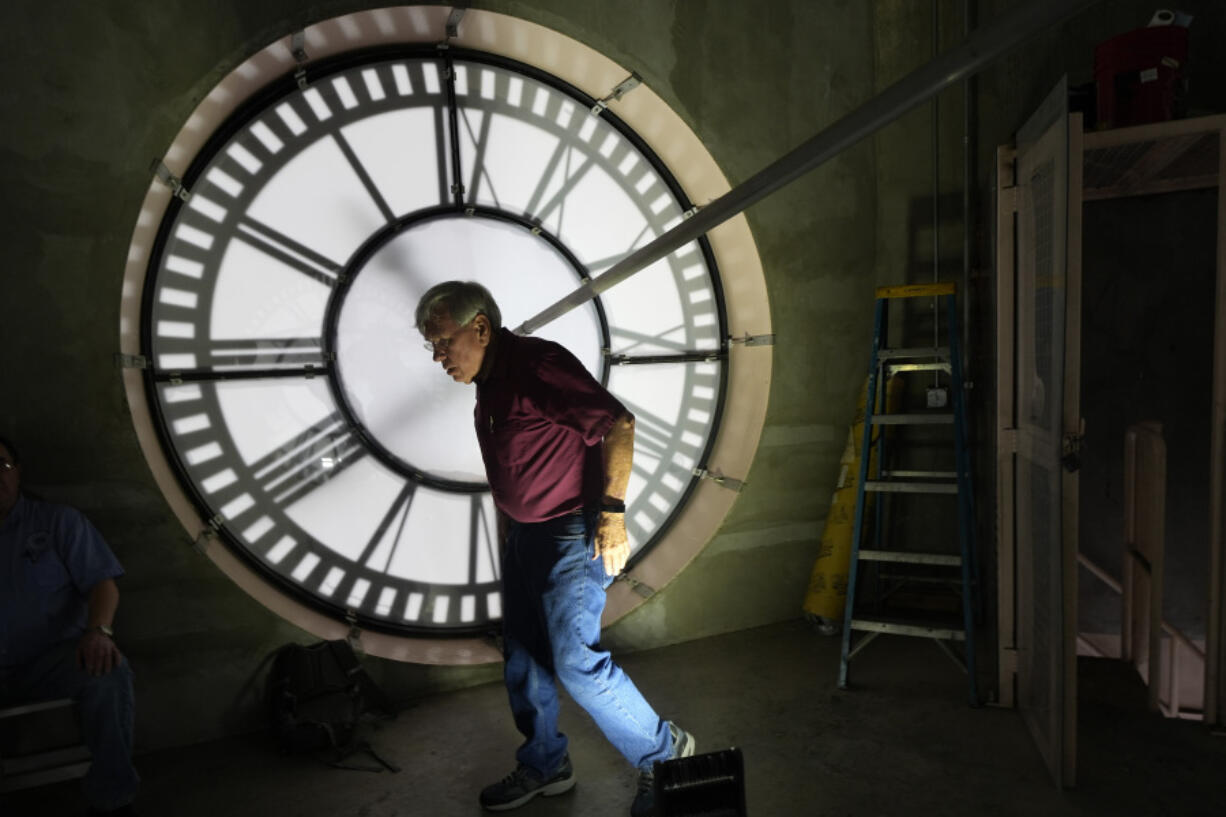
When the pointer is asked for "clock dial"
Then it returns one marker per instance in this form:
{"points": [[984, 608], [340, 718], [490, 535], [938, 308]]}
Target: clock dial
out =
{"points": [[289, 383]]}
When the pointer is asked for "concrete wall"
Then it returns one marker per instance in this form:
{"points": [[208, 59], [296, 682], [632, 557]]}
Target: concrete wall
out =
{"points": [[94, 91]]}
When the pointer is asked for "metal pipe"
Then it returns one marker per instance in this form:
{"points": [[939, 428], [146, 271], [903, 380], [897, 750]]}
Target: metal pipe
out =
{"points": [[936, 186], [985, 45], [968, 181]]}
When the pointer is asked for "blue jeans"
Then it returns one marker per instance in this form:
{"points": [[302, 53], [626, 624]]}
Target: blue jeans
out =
{"points": [[106, 708], [553, 594]]}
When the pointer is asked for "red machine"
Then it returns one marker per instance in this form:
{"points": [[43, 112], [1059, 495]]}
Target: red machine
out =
{"points": [[1140, 76]]}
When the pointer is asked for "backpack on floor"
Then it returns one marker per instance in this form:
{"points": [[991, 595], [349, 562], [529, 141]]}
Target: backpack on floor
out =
{"points": [[317, 695]]}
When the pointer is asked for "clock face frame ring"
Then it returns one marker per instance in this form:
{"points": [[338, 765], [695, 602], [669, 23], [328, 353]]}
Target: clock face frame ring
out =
{"points": [[354, 268], [459, 650]]}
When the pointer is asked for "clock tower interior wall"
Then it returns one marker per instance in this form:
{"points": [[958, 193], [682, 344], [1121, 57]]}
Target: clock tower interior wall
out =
{"points": [[95, 91]]}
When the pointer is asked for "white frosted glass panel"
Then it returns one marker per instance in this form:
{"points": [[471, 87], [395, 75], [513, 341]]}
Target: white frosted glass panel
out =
{"points": [[203, 454], [319, 201], [264, 415], [193, 236], [420, 413], [181, 394], [175, 362], [177, 297], [441, 605], [304, 568], [225, 181], [649, 316], [207, 207], [258, 296], [400, 151], [344, 92], [601, 221], [236, 507], [269, 139], [188, 425], [515, 159], [358, 594], [257, 529], [184, 266], [438, 539], [673, 404], [374, 88], [486, 538], [281, 549], [412, 606], [219, 480], [328, 586], [344, 512]]}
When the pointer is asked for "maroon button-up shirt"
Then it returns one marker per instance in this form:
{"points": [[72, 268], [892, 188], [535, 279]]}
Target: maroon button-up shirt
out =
{"points": [[540, 420]]}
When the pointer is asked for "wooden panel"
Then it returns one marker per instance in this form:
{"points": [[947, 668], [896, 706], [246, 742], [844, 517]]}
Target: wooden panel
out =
{"points": [[1046, 635], [1006, 425], [1144, 546]]}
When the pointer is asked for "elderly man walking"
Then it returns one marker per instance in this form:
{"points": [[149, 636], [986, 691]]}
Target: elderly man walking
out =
{"points": [[557, 448]]}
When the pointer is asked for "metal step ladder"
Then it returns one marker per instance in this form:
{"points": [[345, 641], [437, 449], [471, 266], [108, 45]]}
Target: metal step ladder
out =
{"points": [[958, 569]]}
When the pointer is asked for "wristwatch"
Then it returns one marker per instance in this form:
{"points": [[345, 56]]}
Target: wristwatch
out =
{"points": [[105, 630], [612, 507]]}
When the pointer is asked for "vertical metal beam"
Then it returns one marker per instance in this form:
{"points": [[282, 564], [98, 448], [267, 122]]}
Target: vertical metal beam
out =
{"points": [[980, 49], [1215, 664]]}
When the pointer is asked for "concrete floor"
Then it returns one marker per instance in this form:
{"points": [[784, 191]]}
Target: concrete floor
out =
{"points": [[903, 742]]}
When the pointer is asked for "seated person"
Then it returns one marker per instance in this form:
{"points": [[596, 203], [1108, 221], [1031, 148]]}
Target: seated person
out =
{"points": [[57, 601]]}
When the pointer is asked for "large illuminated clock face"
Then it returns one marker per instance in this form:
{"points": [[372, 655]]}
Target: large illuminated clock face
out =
{"points": [[313, 431]]}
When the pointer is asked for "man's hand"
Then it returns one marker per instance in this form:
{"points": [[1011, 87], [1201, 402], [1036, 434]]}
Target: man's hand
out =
{"points": [[611, 542], [97, 653]]}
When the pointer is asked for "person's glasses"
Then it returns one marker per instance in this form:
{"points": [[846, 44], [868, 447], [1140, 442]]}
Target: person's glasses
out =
{"points": [[5, 465], [443, 344], [436, 346]]}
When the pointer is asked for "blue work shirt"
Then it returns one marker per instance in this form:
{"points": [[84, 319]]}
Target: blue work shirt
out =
{"points": [[50, 558]]}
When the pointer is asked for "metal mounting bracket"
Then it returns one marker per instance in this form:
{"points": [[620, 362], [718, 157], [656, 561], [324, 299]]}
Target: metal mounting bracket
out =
{"points": [[719, 479], [642, 588], [354, 636], [297, 47], [621, 89], [208, 533], [123, 361], [453, 21], [753, 340], [159, 169]]}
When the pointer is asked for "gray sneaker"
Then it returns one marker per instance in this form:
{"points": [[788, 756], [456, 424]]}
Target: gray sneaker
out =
{"points": [[645, 800], [523, 784]]}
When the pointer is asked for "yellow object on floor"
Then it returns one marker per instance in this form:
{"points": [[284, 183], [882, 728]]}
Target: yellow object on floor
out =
{"points": [[827, 592]]}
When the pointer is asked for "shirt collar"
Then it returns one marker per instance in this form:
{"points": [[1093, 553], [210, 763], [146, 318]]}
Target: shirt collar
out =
{"points": [[499, 354]]}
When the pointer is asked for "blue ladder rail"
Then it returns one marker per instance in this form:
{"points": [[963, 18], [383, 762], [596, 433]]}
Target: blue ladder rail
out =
{"points": [[943, 630]]}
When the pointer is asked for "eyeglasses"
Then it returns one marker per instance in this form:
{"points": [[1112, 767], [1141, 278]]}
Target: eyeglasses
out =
{"points": [[443, 344], [5, 465], [436, 346]]}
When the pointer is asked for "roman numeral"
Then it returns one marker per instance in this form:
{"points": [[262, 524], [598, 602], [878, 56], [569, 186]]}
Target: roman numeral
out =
{"points": [[482, 529], [562, 156], [393, 518], [281, 247], [265, 352], [313, 457], [359, 170]]}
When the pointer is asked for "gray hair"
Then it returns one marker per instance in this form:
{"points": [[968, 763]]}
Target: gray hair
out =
{"points": [[462, 300]]}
